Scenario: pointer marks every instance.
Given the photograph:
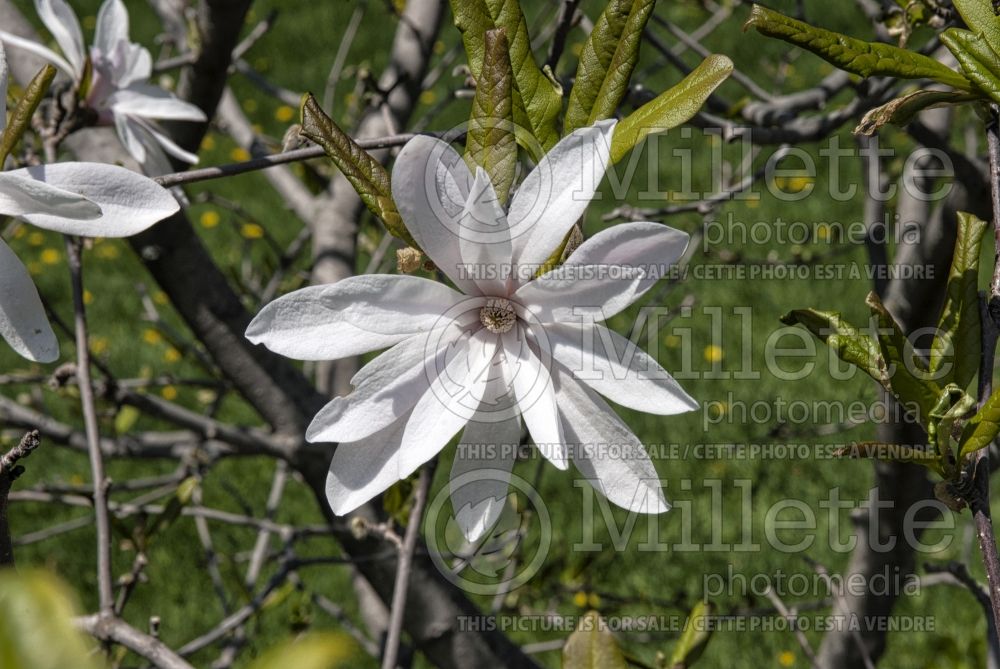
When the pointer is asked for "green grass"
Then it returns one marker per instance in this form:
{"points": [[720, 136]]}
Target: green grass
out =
{"points": [[297, 54]]}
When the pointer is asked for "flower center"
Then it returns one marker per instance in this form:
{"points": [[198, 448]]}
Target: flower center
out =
{"points": [[498, 315]]}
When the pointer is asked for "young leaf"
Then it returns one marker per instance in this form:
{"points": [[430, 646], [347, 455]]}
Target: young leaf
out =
{"points": [[982, 429], [959, 329], [859, 57], [20, 119], [905, 379], [366, 174], [901, 111], [490, 142], [606, 63], [849, 343], [672, 107], [592, 646], [980, 17], [980, 63], [694, 638]]}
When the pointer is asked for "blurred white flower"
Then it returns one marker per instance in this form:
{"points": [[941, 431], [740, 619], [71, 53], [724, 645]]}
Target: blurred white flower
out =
{"points": [[119, 91], [505, 346], [87, 199]]}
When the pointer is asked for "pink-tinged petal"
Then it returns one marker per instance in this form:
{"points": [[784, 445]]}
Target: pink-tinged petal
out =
{"points": [[112, 26], [431, 186], [129, 202], [363, 469], [61, 21], [579, 293], [21, 195], [485, 239], [535, 395], [652, 247], [617, 368], [384, 389], [39, 50], [22, 317], [452, 400], [605, 450], [480, 473], [152, 102], [556, 193]]}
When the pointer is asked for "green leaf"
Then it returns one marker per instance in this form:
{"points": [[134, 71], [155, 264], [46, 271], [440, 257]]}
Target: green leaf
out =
{"points": [[982, 429], [126, 419], [318, 650], [865, 59], [172, 511], [979, 62], [953, 405], [609, 55], [490, 142], [959, 329], [694, 638], [907, 379], [592, 646], [901, 111], [366, 174], [672, 107], [36, 624], [980, 17], [537, 95], [20, 119], [849, 343]]}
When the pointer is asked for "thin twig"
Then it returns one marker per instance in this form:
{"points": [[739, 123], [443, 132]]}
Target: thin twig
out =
{"points": [[9, 471]]}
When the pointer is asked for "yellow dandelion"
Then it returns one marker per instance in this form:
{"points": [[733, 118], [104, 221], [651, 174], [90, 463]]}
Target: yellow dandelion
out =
{"points": [[108, 251], [88, 297], [50, 257], [580, 599], [428, 97], [823, 231], [594, 600], [168, 393], [239, 154], [284, 113], [251, 231], [152, 336], [672, 341], [209, 219], [172, 355], [713, 353], [34, 267], [20, 231], [99, 344], [160, 297], [207, 143], [36, 238], [786, 658]]}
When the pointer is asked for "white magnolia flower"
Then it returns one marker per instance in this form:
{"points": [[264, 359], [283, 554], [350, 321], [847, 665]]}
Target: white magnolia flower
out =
{"points": [[504, 347], [119, 91], [87, 199]]}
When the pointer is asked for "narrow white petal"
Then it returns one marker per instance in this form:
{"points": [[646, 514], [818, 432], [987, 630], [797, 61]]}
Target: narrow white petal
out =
{"points": [[22, 317], [161, 140], [485, 238], [129, 135], [4, 76], [147, 101], [605, 450], [652, 247], [353, 316], [61, 21], [112, 26], [21, 195], [555, 194], [535, 395], [361, 470], [39, 50], [430, 186], [578, 293], [452, 400], [384, 389], [480, 473], [616, 368], [129, 202]]}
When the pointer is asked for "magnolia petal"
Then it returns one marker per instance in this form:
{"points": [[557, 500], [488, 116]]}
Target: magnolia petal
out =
{"points": [[39, 50], [363, 469], [22, 317], [480, 473], [128, 134], [147, 101], [21, 195], [652, 247], [579, 293], [485, 238], [61, 21], [112, 26], [431, 186], [4, 76], [384, 389], [449, 404], [618, 369], [129, 202], [355, 315], [555, 194], [605, 451], [535, 395], [154, 141]]}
